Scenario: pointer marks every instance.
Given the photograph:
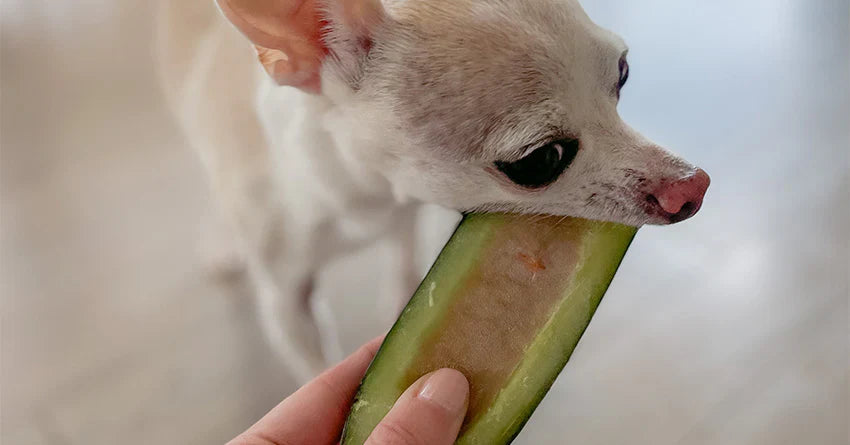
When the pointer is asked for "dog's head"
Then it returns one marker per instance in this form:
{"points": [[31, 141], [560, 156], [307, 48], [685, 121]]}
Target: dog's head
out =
{"points": [[506, 105]]}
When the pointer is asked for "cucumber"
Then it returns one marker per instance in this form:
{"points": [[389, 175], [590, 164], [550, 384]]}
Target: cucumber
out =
{"points": [[505, 303]]}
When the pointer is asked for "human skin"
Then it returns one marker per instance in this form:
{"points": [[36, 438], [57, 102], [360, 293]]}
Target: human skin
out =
{"points": [[429, 412]]}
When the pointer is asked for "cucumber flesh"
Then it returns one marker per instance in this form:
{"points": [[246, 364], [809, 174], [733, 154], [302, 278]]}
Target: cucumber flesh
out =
{"points": [[505, 303]]}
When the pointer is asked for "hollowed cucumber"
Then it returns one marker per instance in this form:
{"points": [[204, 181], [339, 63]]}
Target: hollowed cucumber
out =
{"points": [[505, 303]]}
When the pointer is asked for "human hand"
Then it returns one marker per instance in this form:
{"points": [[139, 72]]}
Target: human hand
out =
{"points": [[429, 412]]}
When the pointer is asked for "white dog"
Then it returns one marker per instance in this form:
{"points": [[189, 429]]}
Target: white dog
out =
{"points": [[371, 108]]}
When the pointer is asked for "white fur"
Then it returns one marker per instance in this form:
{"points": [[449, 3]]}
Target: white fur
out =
{"points": [[304, 178]]}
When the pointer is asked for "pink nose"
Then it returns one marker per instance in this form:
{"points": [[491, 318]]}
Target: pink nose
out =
{"points": [[681, 199]]}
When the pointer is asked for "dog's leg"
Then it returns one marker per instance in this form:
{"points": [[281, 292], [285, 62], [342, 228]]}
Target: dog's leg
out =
{"points": [[287, 319], [403, 275], [220, 253], [212, 91], [216, 103], [300, 331]]}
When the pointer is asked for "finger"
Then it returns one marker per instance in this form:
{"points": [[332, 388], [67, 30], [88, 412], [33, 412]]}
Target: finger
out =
{"points": [[430, 412], [315, 413]]}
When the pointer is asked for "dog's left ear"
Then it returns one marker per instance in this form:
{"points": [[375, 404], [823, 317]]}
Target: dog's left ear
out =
{"points": [[289, 35]]}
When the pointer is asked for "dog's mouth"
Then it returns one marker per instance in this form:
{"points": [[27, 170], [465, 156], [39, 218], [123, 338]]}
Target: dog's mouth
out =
{"points": [[667, 202]]}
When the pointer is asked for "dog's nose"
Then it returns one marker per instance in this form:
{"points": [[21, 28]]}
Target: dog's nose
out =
{"points": [[680, 200]]}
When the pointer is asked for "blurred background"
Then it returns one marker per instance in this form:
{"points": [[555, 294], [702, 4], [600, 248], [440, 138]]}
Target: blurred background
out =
{"points": [[731, 328]]}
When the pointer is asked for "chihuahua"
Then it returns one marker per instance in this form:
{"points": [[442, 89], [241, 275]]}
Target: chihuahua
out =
{"points": [[324, 124]]}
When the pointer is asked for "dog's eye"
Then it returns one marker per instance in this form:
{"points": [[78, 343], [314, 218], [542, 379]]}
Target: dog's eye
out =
{"points": [[542, 166], [624, 72]]}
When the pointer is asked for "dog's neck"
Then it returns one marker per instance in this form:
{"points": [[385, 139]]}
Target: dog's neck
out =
{"points": [[311, 163]]}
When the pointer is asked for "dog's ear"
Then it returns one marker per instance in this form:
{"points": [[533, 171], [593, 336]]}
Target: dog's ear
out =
{"points": [[289, 34]]}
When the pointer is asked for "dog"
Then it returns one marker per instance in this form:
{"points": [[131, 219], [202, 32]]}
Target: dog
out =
{"points": [[325, 124]]}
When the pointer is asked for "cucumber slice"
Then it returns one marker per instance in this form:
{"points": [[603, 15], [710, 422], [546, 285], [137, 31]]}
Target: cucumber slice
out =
{"points": [[505, 303]]}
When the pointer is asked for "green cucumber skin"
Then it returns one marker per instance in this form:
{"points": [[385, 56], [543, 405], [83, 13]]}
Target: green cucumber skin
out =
{"points": [[502, 420]]}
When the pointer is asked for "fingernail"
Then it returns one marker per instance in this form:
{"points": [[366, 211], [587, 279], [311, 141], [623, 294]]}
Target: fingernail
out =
{"points": [[447, 388]]}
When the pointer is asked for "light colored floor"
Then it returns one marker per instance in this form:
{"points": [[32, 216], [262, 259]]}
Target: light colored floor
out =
{"points": [[731, 328]]}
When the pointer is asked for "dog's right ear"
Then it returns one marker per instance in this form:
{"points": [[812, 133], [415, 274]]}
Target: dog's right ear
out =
{"points": [[289, 34]]}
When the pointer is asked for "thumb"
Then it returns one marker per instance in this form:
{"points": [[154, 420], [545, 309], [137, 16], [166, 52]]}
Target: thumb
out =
{"points": [[430, 412]]}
